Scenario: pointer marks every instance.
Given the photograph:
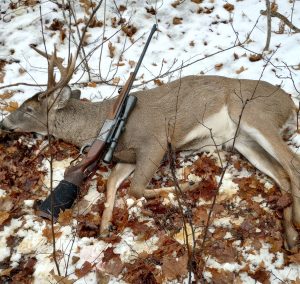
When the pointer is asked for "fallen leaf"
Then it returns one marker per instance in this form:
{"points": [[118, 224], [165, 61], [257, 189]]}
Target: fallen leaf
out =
{"points": [[114, 266], [84, 270], [47, 232], [2, 75], [6, 272], [6, 203], [65, 217], [3, 216], [151, 10], [87, 5], [177, 21], [205, 10], [101, 278], [174, 267], [242, 69], [131, 63], [129, 30], [274, 6], [62, 35], [92, 84], [229, 7], [261, 275], [219, 66], [11, 106], [22, 70], [142, 271], [75, 259], [221, 276], [200, 216], [56, 25], [255, 57], [7, 95], [223, 251], [116, 80], [176, 3], [62, 279], [24, 270], [122, 8], [111, 49], [158, 82]]}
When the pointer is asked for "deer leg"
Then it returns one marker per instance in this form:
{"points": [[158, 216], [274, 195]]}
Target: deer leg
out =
{"points": [[152, 193], [272, 142], [147, 162], [119, 173], [266, 163]]}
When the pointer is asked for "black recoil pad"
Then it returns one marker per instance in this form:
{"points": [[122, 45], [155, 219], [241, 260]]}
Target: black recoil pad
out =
{"points": [[64, 196]]}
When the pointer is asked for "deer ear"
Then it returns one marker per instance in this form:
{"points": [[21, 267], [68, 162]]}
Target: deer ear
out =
{"points": [[76, 94], [63, 98]]}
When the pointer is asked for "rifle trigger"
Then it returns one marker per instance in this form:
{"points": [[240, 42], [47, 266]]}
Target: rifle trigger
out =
{"points": [[73, 162]]}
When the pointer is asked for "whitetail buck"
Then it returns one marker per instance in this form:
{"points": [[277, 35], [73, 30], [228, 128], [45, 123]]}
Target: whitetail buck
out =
{"points": [[182, 112]]}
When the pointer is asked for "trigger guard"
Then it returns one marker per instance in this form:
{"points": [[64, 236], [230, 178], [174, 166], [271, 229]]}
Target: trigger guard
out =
{"points": [[83, 148]]}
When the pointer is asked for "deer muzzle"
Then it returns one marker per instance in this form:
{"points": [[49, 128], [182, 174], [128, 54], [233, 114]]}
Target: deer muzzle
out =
{"points": [[4, 128]]}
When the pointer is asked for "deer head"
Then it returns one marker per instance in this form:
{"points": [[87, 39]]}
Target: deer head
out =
{"points": [[37, 113]]}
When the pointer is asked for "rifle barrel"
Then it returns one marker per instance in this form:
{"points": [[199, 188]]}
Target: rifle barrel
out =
{"points": [[153, 30]]}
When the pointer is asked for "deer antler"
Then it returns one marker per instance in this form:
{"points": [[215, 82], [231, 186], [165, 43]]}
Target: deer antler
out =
{"points": [[65, 72]]}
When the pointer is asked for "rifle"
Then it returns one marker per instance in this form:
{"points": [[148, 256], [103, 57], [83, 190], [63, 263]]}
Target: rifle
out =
{"points": [[103, 147]]}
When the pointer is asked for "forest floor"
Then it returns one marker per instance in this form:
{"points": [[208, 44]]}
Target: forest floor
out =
{"points": [[243, 241]]}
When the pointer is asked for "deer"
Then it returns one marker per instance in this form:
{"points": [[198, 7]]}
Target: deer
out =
{"points": [[185, 113]]}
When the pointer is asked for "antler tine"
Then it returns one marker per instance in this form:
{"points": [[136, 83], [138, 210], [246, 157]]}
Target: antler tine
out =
{"points": [[40, 52], [58, 62], [51, 75], [65, 72]]}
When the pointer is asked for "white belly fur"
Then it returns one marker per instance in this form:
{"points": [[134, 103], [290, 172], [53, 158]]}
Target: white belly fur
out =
{"points": [[222, 128]]}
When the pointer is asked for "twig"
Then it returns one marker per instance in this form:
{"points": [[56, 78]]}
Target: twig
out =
{"points": [[282, 18], [179, 195], [292, 14], [22, 84], [267, 46], [83, 57], [51, 165]]}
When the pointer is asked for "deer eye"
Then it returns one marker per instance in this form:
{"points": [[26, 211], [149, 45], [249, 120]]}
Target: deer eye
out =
{"points": [[29, 109]]}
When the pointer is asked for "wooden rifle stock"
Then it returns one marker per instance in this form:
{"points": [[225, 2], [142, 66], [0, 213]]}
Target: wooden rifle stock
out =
{"points": [[64, 195]]}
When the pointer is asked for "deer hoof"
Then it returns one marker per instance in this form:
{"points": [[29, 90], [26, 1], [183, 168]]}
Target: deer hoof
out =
{"points": [[105, 229]]}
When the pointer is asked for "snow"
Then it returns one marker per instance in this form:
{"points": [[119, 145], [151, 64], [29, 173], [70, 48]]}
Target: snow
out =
{"points": [[169, 50], [2, 193], [6, 232]]}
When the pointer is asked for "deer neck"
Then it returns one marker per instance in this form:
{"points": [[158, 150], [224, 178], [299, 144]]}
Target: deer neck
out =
{"points": [[80, 121]]}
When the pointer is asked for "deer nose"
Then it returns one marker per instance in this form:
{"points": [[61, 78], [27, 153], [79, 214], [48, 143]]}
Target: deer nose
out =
{"points": [[2, 126]]}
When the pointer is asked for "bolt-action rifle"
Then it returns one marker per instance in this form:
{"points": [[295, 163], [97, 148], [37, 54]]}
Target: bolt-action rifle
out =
{"points": [[102, 148]]}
